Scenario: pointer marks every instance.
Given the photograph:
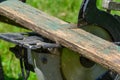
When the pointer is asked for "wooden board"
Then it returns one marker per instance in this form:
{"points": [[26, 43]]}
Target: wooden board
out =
{"points": [[86, 44]]}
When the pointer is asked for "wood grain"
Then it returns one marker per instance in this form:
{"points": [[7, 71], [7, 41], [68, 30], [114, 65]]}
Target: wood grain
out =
{"points": [[90, 46]]}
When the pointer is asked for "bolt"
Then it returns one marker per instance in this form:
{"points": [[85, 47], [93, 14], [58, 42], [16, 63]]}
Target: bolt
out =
{"points": [[44, 60]]}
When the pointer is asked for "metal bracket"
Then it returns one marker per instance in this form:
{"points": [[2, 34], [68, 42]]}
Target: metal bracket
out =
{"points": [[25, 44], [28, 40], [111, 5]]}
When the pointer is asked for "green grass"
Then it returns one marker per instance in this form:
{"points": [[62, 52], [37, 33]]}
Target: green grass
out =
{"points": [[66, 10]]}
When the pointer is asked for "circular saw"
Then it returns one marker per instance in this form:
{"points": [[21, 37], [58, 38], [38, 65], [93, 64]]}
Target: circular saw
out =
{"points": [[99, 23], [50, 61]]}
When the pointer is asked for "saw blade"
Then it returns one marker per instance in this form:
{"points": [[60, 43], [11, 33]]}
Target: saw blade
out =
{"points": [[75, 69], [90, 19]]}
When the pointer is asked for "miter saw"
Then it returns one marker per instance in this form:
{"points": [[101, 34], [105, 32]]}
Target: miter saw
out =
{"points": [[51, 61]]}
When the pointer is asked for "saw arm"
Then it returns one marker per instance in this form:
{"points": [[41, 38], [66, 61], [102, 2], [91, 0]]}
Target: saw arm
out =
{"points": [[91, 15]]}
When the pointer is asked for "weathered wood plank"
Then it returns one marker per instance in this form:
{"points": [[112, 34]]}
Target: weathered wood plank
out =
{"points": [[8, 21], [92, 47]]}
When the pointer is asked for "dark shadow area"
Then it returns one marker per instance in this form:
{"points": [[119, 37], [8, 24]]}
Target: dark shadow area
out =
{"points": [[10, 78], [1, 70]]}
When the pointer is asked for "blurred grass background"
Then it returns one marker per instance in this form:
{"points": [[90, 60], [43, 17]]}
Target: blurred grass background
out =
{"points": [[66, 10]]}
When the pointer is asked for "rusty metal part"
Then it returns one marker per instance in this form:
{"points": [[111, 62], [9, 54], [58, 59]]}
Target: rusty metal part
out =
{"points": [[111, 5]]}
